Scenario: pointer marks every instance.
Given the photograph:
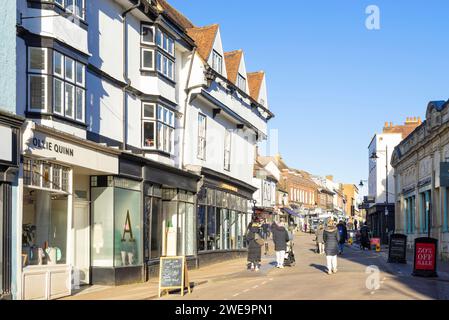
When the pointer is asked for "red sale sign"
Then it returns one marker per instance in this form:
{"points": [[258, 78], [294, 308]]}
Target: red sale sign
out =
{"points": [[425, 256]]}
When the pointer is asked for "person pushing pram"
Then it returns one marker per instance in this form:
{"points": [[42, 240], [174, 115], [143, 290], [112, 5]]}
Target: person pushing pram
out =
{"points": [[289, 259]]}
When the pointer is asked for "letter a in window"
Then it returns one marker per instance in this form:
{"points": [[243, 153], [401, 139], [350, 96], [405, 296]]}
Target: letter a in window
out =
{"points": [[128, 229]]}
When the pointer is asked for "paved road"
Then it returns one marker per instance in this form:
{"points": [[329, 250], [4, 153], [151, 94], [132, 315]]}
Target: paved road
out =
{"points": [[356, 279]]}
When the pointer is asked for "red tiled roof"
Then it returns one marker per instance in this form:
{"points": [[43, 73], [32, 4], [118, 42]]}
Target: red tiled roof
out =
{"points": [[232, 60], [254, 83], [178, 17], [204, 39]]}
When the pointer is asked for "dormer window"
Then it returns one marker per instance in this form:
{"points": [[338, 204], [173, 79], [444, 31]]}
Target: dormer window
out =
{"points": [[217, 62], [241, 82]]}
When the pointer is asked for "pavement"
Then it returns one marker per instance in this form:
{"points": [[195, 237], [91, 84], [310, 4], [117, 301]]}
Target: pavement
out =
{"points": [[362, 275]]}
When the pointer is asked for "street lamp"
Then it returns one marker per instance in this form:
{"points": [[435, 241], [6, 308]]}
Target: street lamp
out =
{"points": [[254, 209]]}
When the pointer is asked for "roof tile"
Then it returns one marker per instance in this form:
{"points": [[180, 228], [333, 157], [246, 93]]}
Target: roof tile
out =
{"points": [[254, 83], [204, 39], [232, 60]]}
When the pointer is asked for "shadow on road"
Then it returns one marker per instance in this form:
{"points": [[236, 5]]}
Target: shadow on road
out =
{"points": [[319, 267]]}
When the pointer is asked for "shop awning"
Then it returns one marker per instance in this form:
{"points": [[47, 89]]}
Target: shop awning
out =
{"points": [[291, 212]]}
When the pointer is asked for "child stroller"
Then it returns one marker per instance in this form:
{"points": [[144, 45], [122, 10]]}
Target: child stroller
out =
{"points": [[289, 259]]}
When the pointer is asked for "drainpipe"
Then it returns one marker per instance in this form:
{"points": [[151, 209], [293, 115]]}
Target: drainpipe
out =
{"points": [[187, 91], [125, 70]]}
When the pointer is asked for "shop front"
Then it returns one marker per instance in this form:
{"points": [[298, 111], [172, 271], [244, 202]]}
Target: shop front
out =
{"points": [[169, 199], [55, 221], [222, 217], [9, 169], [381, 221]]}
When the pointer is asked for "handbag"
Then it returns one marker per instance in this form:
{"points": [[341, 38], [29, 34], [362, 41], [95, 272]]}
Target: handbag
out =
{"points": [[259, 240]]}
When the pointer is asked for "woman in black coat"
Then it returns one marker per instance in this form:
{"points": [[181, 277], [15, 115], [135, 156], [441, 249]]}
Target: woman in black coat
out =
{"points": [[331, 239], [254, 249], [280, 239]]}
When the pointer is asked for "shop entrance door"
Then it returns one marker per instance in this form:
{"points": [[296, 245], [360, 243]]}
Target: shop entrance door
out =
{"points": [[81, 228]]}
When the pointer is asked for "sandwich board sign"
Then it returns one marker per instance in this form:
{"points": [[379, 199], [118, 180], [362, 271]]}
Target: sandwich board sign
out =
{"points": [[173, 274]]}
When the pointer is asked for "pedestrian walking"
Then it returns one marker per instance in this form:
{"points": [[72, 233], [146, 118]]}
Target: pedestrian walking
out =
{"points": [[331, 239], [255, 242], [364, 237], [343, 233], [319, 238], [280, 239], [305, 227]]}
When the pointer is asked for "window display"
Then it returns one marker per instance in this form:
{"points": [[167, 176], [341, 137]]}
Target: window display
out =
{"points": [[221, 220], [44, 229], [116, 219]]}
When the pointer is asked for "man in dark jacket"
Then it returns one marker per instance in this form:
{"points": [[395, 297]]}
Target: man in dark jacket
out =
{"points": [[343, 233], [331, 239], [254, 248], [280, 239], [364, 237]]}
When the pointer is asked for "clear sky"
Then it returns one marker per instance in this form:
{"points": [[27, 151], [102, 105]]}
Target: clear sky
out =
{"points": [[332, 83]]}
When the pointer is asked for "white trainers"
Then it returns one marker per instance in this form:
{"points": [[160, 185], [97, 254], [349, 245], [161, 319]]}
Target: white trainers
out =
{"points": [[329, 272]]}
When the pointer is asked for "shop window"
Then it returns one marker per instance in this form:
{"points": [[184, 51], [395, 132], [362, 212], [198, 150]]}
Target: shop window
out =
{"points": [[116, 220], [44, 237], [156, 229], [201, 228], [212, 235]]}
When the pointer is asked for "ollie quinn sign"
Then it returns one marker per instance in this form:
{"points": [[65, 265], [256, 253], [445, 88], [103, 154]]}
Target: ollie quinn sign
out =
{"points": [[43, 143]]}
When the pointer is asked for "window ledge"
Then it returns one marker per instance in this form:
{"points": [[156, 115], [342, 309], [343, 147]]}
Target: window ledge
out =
{"points": [[53, 116]]}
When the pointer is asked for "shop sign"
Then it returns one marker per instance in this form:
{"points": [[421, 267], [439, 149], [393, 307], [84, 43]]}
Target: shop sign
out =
{"points": [[173, 274], [425, 260], [229, 187], [6, 149], [397, 248], [52, 146], [42, 145]]}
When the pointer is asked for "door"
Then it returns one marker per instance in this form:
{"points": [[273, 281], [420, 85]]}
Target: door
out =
{"points": [[81, 230]]}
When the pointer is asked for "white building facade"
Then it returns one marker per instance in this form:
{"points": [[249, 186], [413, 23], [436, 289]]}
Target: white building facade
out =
{"points": [[380, 215], [113, 141]]}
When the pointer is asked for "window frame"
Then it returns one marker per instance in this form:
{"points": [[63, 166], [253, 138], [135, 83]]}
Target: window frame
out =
{"points": [[214, 55], [201, 143], [241, 80], [61, 113], [164, 127], [227, 150], [153, 61], [31, 70], [45, 77], [164, 65], [142, 26]]}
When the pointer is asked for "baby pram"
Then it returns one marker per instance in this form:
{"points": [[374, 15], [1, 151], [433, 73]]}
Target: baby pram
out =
{"points": [[289, 259]]}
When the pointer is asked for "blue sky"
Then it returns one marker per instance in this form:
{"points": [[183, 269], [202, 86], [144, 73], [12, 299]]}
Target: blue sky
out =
{"points": [[332, 83]]}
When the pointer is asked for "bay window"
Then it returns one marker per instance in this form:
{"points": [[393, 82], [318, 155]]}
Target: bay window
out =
{"points": [[63, 86], [165, 55], [147, 34], [158, 127], [165, 65]]}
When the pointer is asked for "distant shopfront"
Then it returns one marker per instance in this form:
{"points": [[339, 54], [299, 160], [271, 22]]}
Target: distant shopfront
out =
{"points": [[223, 215], [55, 227], [9, 169]]}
